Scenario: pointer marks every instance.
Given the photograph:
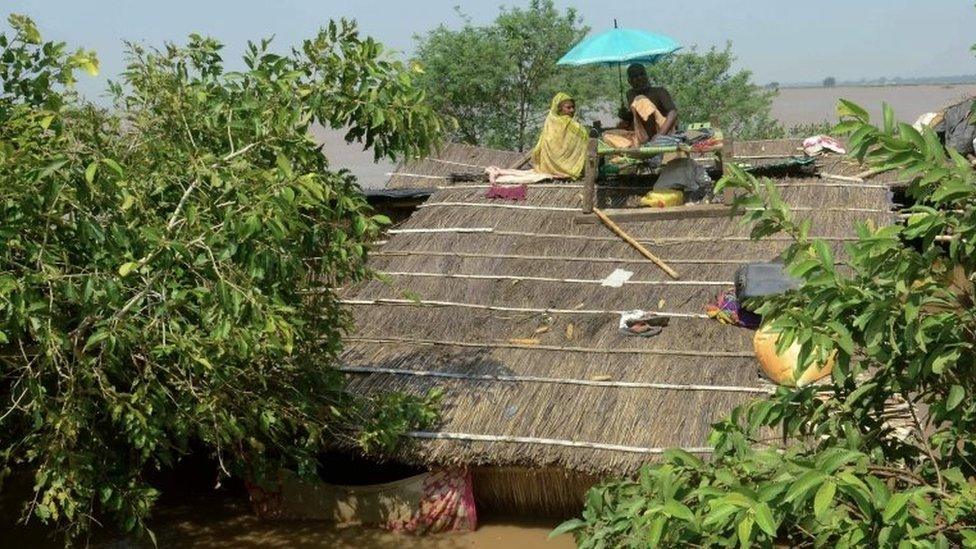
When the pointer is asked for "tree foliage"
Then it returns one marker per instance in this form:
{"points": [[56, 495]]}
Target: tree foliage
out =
{"points": [[165, 267], [497, 80], [898, 311]]}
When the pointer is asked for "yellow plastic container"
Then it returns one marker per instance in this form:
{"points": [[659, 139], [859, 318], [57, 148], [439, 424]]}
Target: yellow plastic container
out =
{"points": [[663, 199], [779, 368]]}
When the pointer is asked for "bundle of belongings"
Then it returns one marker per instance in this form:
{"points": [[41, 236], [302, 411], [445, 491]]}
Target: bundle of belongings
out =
{"points": [[696, 137], [959, 127], [701, 137], [727, 310], [437, 501], [757, 280], [681, 181], [649, 156], [955, 125]]}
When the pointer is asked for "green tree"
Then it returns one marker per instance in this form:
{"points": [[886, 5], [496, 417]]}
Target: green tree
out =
{"points": [[705, 86], [166, 267], [901, 317], [497, 80], [829, 82]]}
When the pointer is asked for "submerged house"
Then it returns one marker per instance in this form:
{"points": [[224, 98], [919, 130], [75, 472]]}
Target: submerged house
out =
{"points": [[506, 306]]}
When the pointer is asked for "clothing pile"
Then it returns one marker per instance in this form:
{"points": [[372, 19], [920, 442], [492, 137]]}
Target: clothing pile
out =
{"points": [[817, 144], [696, 134], [727, 310], [672, 140]]}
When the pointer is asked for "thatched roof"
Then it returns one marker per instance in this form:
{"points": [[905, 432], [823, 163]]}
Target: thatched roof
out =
{"points": [[470, 279], [451, 158]]}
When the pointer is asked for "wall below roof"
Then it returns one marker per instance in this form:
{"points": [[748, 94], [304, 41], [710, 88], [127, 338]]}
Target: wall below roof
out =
{"points": [[530, 492]]}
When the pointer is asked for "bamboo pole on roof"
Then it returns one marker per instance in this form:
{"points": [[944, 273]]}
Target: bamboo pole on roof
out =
{"points": [[637, 245]]}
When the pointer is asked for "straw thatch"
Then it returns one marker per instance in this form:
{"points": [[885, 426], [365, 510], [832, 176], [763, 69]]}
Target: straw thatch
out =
{"points": [[555, 492], [501, 307], [434, 170]]}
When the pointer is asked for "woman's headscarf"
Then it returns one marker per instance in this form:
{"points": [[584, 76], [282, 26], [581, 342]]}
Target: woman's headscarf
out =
{"points": [[561, 150]]}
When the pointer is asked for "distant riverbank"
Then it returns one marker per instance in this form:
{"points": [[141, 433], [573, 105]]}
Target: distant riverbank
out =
{"points": [[812, 105]]}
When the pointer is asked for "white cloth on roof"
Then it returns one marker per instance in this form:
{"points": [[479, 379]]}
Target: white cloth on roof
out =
{"points": [[816, 144], [510, 176], [617, 278]]}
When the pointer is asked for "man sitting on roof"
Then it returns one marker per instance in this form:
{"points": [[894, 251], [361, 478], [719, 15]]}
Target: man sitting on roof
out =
{"points": [[651, 112]]}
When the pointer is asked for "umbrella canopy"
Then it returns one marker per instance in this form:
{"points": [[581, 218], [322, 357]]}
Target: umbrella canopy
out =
{"points": [[620, 46]]}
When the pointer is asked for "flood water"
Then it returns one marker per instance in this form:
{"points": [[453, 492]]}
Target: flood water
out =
{"points": [[813, 105], [232, 525], [225, 521]]}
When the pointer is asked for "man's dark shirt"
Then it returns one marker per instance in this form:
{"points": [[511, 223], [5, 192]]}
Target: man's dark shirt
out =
{"points": [[661, 99]]}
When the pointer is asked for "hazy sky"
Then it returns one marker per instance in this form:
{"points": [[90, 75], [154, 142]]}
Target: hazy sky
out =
{"points": [[784, 40]]}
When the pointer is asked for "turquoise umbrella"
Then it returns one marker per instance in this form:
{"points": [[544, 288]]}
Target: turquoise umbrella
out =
{"points": [[616, 46]]}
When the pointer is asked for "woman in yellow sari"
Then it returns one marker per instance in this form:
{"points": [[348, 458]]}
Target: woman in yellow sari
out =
{"points": [[561, 150]]}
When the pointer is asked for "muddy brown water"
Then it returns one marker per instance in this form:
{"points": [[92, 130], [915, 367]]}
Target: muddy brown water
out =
{"points": [[234, 526], [813, 105], [225, 521]]}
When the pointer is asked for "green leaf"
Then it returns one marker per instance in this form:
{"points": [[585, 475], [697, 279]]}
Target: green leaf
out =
{"points": [[114, 165], [90, 172], [568, 526], [956, 394], [846, 108], [126, 268], [765, 520], [288, 194], [824, 498], [895, 504], [655, 531], [889, 118], [719, 512], [804, 484], [284, 165], [745, 531], [678, 510], [100, 335]]}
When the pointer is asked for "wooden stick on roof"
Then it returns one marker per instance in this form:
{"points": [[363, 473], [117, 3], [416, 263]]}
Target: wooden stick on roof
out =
{"points": [[637, 245]]}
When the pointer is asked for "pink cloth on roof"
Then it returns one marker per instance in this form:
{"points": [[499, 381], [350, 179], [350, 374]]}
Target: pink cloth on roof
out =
{"points": [[507, 192]]}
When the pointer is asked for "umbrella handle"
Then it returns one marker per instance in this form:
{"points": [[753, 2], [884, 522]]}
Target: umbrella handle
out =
{"points": [[620, 79]]}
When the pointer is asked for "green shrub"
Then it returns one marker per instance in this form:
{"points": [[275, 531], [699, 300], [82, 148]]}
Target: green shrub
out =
{"points": [[165, 265], [902, 320]]}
